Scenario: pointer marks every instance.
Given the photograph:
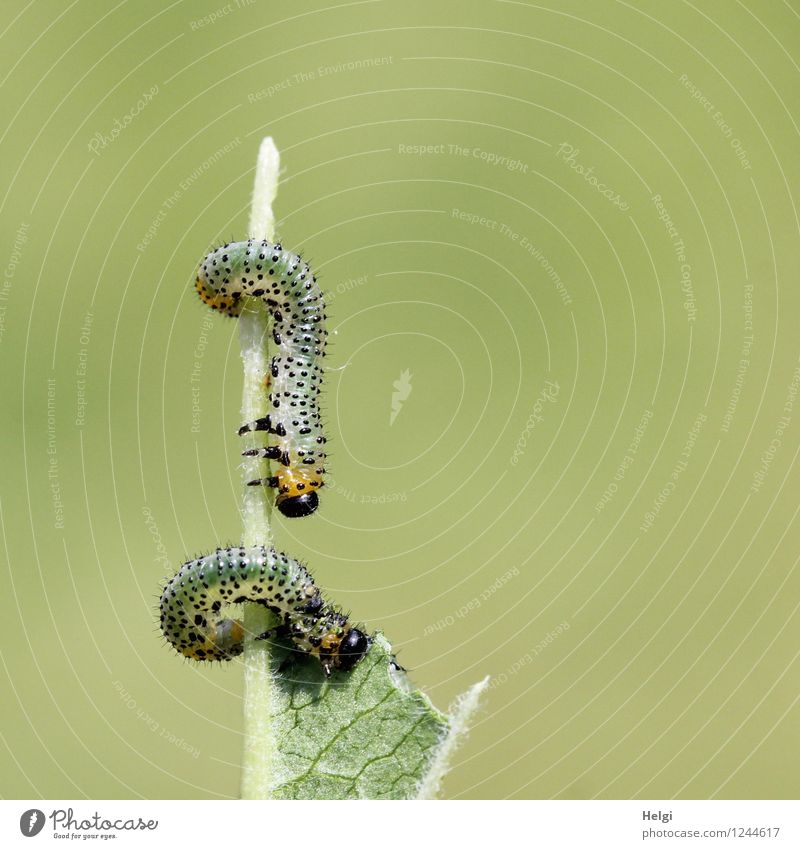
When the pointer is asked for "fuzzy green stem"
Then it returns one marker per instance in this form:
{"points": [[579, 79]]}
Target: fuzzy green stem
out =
{"points": [[259, 759]]}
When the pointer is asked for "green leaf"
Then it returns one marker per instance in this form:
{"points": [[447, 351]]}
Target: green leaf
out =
{"points": [[363, 734]]}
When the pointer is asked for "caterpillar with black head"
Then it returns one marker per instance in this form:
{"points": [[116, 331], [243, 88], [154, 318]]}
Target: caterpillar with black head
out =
{"points": [[193, 601], [257, 269]]}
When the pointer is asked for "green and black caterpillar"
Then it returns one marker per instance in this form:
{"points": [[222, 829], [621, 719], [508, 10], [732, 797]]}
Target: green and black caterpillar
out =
{"points": [[226, 278], [193, 608], [193, 615]]}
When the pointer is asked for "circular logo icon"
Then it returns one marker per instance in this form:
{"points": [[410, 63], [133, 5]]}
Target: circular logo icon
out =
{"points": [[31, 822]]}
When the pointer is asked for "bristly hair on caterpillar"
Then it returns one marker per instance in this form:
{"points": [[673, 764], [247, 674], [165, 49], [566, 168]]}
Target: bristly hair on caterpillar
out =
{"points": [[226, 277], [193, 602]]}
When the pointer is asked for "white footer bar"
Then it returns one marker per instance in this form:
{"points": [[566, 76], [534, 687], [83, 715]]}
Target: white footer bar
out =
{"points": [[492, 824]]}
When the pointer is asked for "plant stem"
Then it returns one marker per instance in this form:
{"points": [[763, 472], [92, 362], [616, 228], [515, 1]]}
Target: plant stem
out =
{"points": [[259, 759]]}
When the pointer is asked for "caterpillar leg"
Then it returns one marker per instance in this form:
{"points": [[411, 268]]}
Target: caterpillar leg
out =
{"points": [[284, 632], [271, 452], [272, 481], [263, 423], [286, 664], [273, 633]]}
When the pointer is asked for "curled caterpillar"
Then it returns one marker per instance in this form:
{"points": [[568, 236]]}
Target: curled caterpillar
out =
{"points": [[192, 603], [256, 269]]}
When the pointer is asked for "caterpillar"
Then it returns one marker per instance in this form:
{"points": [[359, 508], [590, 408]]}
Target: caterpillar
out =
{"points": [[257, 269], [192, 602]]}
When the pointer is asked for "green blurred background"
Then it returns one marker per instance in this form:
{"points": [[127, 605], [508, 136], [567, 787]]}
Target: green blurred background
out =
{"points": [[574, 226]]}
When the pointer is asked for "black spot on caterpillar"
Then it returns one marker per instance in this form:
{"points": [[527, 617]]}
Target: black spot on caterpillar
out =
{"points": [[256, 269], [192, 607]]}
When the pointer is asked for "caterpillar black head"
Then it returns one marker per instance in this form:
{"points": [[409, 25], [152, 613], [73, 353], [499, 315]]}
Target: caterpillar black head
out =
{"points": [[298, 505], [353, 647]]}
